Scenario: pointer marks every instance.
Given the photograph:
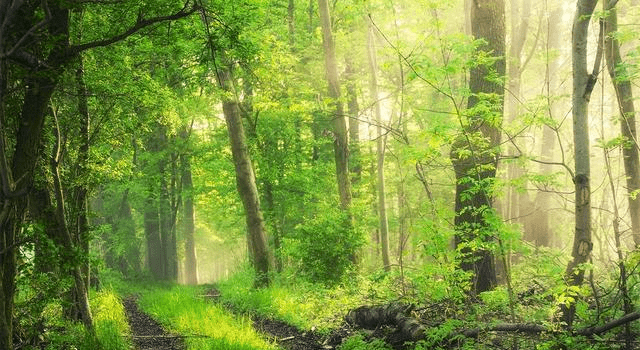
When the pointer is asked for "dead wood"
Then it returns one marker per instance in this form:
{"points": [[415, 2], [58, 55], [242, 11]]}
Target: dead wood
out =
{"points": [[392, 314], [399, 316]]}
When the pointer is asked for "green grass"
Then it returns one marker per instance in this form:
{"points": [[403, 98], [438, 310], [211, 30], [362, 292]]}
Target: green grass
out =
{"points": [[206, 325], [110, 321], [302, 304]]}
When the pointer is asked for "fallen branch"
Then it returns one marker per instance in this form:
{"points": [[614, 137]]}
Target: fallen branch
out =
{"points": [[590, 331]]}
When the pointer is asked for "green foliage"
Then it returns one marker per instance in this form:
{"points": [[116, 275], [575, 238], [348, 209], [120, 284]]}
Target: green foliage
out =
{"points": [[358, 342], [325, 245]]}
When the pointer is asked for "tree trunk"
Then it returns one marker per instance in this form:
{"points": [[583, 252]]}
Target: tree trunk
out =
{"points": [[624, 94], [191, 262], [246, 183], [543, 234], [354, 124], [582, 85], [81, 191], [476, 173], [380, 150], [69, 244], [340, 142]]}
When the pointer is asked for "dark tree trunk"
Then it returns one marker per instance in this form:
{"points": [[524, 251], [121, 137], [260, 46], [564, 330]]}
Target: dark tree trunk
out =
{"points": [[624, 95], [191, 262], [475, 173]]}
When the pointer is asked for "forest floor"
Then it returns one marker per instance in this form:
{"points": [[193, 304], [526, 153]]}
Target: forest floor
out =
{"points": [[147, 333], [289, 337]]}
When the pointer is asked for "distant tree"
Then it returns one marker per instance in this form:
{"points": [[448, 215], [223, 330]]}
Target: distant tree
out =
{"points": [[383, 225]]}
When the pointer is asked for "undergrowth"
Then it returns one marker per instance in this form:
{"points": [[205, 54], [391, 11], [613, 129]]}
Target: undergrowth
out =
{"points": [[302, 304]]}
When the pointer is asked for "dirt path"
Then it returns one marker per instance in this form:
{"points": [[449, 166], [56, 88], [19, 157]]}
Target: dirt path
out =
{"points": [[147, 333]]}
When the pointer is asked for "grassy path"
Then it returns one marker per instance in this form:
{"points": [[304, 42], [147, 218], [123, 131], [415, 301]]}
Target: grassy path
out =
{"points": [[147, 334]]}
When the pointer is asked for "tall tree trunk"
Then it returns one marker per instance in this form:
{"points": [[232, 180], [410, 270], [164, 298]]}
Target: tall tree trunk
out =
{"points": [[380, 150], [474, 174], [583, 84], [542, 232], [520, 12], [191, 262], [69, 244], [340, 143], [153, 237], [81, 191], [624, 94], [246, 183]]}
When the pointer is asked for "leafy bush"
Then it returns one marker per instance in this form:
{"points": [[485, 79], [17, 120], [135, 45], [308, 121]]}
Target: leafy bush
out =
{"points": [[324, 245]]}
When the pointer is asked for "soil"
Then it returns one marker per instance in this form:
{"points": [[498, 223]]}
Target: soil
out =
{"points": [[147, 333]]}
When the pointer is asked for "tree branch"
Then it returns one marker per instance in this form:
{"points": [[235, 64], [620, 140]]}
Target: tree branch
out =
{"points": [[140, 24]]}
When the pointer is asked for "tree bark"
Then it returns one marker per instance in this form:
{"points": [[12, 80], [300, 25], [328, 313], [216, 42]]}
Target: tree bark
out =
{"points": [[191, 262], [624, 95], [380, 150], [246, 183], [80, 291], [340, 142], [475, 173], [582, 85]]}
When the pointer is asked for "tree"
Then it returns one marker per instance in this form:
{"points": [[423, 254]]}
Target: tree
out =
{"points": [[624, 96], [44, 58], [191, 262], [474, 154], [380, 150], [340, 141], [583, 84], [246, 181]]}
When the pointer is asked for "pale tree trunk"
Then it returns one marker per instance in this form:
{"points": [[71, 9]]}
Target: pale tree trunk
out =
{"points": [[473, 202], [380, 149], [354, 124], [340, 143], [520, 12], [542, 232], [624, 94], [246, 183], [582, 86]]}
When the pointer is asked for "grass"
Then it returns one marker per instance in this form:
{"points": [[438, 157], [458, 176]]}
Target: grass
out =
{"points": [[110, 321], [304, 305], [206, 325]]}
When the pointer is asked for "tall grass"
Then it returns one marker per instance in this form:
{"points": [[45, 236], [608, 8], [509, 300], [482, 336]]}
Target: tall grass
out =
{"points": [[205, 324], [299, 303], [112, 328]]}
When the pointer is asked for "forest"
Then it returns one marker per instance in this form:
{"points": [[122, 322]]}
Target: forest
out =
{"points": [[315, 174]]}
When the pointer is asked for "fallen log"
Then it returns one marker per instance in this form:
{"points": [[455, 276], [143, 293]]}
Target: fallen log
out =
{"points": [[392, 314], [398, 315]]}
